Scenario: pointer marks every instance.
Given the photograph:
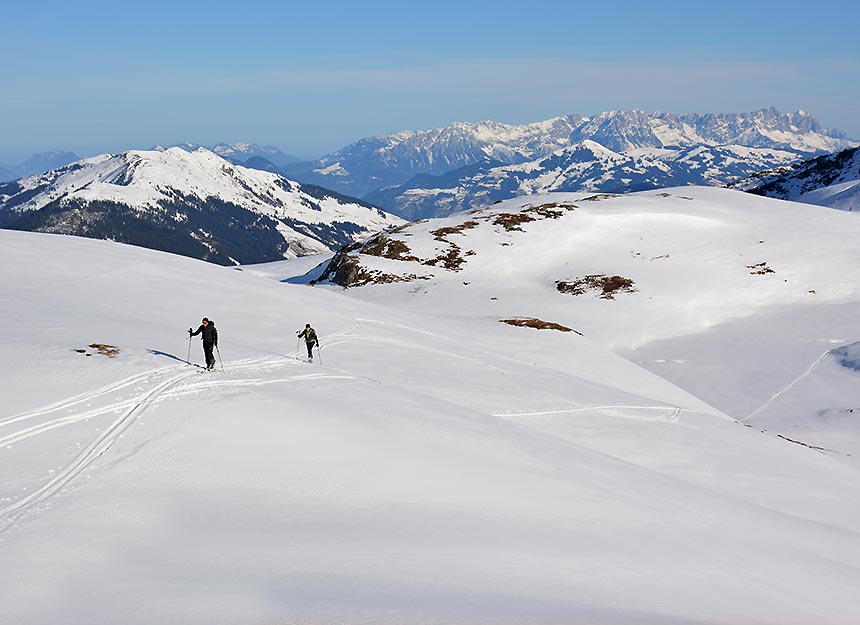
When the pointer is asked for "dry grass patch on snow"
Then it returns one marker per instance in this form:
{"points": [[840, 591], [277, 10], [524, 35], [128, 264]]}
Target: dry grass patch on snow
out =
{"points": [[606, 286], [538, 324], [111, 351], [386, 247]]}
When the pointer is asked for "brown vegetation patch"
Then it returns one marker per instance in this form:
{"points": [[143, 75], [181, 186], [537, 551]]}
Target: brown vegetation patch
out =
{"points": [[386, 247], [598, 197], [347, 271], [512, 221], [451, 260], [607, 286], [538, 324], [760, 269], [440, 233], [111, 351], [551, 210]]}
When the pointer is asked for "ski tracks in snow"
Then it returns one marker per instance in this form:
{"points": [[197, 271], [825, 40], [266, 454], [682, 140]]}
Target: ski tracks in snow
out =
{"points": [[787, 388], [158, 384], [666, 414], [94, 450]]}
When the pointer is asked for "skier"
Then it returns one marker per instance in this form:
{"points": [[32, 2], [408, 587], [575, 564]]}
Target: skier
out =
{"points": [[210, 340], [310, 337]]}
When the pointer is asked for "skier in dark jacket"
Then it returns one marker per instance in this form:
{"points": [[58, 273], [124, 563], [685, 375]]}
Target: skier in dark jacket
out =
{"points": [[310, 337], [210, 340]]}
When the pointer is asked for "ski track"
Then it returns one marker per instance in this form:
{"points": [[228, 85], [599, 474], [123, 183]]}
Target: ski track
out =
{"points": [[626, 412], [47, 426], [132, 408], [105, 441], [788, 387], [82, 397]]}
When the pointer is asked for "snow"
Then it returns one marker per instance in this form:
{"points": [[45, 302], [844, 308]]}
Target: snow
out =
{"points": [[332, 170], [844, 196], [692, 261], [144, 180], [200, 174], [438, 466], [297, 270]]}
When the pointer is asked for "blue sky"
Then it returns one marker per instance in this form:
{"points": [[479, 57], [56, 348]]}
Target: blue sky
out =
{"points": [[311, 77]]}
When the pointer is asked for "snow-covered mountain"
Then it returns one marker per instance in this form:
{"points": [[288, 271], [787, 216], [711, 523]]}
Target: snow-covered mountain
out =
{"points": [[644, 150], [586, 166], [436, 465], [36, 164], [192, 203], [239, 152], [831, 180], [376, 162]]}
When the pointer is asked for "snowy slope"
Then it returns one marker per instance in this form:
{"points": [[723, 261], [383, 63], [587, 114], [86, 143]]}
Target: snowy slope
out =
{"points": [[731, 296], [435, 469], [697, 256], [832, 180], [194, 203]]}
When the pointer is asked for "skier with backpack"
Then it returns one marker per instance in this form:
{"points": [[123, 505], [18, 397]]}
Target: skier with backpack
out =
{"points": [[210, 340], [310, 336]]}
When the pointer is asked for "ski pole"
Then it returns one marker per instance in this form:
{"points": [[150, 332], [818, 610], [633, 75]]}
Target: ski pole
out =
{"points": [[219, 358], [298, 346], [188, 360], [319, 353]]}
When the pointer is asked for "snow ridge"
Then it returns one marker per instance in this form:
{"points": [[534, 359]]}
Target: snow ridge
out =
{"points": [[198, 195]]}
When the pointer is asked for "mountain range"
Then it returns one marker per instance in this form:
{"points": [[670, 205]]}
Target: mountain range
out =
{"points": [[238, 203], [192, 203], [831, 180], [240, 152], [419, 174], [36, 164]]}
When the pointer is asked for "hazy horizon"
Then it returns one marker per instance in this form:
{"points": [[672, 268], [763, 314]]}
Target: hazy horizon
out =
{"points": [[93, 78]]}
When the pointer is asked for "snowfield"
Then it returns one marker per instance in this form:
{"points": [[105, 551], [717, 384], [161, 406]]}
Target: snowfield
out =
{"points": [[434, 465]]}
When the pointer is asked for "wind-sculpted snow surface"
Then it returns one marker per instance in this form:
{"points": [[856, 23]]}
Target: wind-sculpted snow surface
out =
{"points": [[436, 469], [191, 203]]}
